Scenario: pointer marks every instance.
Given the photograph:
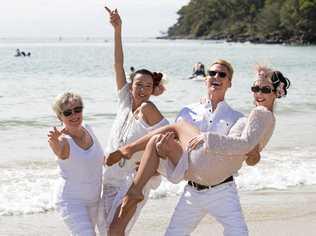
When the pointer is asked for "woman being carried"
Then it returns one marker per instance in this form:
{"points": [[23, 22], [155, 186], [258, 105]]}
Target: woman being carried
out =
{"points": [[199, 163], [136, 117]]}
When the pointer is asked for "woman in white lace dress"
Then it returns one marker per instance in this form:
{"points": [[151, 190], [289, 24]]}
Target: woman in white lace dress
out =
{"points": [[136, 116], [205, 158]]}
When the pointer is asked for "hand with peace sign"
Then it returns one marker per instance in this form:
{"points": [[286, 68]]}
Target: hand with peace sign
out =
{"points": [[116, 22], [56, 143]]}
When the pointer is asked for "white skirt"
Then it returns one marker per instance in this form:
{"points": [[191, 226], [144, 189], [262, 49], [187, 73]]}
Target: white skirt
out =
{"points": [[173, 173], [112, 199]]}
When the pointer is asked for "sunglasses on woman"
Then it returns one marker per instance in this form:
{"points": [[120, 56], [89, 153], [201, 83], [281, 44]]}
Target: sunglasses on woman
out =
{"points": [[264, 89], [213, 73], [69, 112]]}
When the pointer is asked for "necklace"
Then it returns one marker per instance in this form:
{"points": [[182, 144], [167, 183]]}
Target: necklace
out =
{"points": [[79, 140], [128, 122]]}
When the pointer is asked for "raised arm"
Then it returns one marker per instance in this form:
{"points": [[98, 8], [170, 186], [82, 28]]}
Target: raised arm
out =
{"points": [[259, 121], [116, 22], [58, 144]]}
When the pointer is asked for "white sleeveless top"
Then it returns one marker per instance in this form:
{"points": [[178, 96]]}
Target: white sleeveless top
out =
{"points": [[126, 129], [80, 176]]}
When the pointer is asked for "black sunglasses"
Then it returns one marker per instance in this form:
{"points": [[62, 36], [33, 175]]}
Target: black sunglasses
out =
{"points": [[213, 73], [69, 112], [265, 89]]}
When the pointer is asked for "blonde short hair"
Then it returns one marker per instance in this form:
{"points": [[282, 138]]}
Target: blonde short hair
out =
{"points": [[227, 65], [62, 99]]}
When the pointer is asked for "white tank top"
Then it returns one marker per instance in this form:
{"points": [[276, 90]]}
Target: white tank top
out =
{"points": [[80, 177]]}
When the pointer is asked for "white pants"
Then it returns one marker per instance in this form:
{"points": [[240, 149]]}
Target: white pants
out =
{"points": [[222, 202], [80, 218]]}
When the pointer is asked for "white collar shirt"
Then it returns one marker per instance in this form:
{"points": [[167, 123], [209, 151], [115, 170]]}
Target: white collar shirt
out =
{"points": [[202, 116]]}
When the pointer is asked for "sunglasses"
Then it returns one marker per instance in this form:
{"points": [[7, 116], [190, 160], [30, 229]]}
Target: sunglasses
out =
{"points": [[69, 112], [265, 89], [213, 73]]}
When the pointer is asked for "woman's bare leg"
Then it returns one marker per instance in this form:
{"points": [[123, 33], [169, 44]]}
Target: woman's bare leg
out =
{"points": [[148, 167], [119, 224], [150, 159], [129, 149], [183, 130], [125, 212]]}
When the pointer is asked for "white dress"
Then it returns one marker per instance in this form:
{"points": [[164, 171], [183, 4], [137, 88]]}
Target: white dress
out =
{"points": [[118, 178], [222, 156]]}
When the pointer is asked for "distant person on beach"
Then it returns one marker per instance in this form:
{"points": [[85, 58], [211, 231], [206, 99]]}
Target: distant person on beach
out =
{"points": [[18, 53], [198, 70], [207, 160], [80, 159], [132, 69], [136, 116]]}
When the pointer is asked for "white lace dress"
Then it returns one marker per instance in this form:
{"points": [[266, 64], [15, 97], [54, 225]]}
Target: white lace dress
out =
{"points": [[221, 156]]}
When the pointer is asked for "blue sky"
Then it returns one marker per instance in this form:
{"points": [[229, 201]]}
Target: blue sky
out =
{"points": [[51, 18]]}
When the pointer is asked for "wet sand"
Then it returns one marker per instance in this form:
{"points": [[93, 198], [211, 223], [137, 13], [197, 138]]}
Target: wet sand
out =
{"points": [[290, 212]]}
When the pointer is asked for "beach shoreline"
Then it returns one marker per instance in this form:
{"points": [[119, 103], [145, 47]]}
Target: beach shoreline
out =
{"points": [[268, 212]]}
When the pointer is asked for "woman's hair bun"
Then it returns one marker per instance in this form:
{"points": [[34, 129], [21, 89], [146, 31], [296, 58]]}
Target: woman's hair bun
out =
{"points": [[280, 83]]}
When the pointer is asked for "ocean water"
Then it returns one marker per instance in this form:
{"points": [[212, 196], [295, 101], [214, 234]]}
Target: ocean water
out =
{"points": [[28, 86]]}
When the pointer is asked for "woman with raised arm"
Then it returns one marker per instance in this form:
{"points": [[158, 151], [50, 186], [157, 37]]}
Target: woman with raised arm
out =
{"points": [[80, 159], [136, 117], [218, 158]]}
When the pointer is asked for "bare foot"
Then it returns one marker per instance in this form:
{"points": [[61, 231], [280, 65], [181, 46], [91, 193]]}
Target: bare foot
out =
{"points": [[114, 157], [129, 202]]}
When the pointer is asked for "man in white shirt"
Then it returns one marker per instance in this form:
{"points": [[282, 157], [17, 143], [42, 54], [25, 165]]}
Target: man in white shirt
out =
{"points": [[220, 200]]}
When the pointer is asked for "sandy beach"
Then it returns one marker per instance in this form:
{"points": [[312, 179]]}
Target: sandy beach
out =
{"points": [[289, 212]]}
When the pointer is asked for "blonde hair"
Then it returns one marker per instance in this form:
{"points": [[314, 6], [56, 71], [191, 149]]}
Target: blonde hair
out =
{"points": [[62, 99], [227, 65]]}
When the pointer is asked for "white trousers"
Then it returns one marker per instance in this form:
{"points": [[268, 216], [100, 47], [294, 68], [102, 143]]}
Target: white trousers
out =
{"points": [[221, 202], [80, 218]]}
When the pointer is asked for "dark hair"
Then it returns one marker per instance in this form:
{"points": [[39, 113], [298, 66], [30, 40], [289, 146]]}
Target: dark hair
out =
{"points": [[156, 76], [279, 80]]}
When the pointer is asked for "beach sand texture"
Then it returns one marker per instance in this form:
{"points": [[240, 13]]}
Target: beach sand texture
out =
{"points": [[292, 212]]}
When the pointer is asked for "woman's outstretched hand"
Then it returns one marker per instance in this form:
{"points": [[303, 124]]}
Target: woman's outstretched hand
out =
{"points": [[53, 138], [116, 156], [55, 142], [115, 18], [195, 142]]}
